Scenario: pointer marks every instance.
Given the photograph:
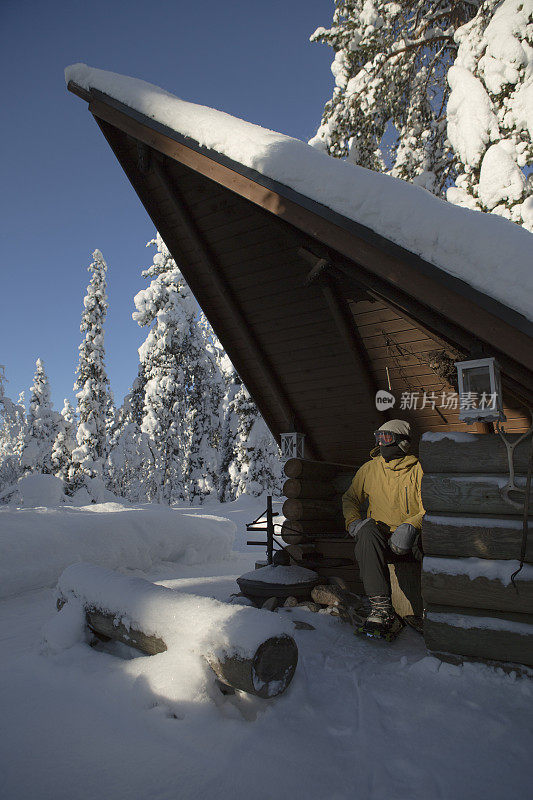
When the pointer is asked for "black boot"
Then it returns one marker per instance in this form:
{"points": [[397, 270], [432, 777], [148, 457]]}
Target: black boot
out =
{"points": [[382, 622]]}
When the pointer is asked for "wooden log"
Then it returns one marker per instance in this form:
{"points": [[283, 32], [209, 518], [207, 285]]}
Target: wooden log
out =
{"points": [[315, 470], [472, 494], [478, 453], [478, 633], [474, 590], [334, 547], [298, 552], [477, 537], [265, 669], [318, 490], [290, 537], [106, 625], [253, 675], [310, 509], [319, 527], [342, 481]]}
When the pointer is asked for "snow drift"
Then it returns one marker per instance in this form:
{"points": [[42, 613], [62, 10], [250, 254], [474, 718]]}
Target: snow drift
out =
{"points": [[36, 544]]}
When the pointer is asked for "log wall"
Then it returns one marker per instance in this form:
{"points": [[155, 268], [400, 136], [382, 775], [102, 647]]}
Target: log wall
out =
{"points": [[472, 542]]}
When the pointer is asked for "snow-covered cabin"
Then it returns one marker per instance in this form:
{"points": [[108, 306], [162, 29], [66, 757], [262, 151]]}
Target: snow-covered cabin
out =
{"points": [[326, 282]]}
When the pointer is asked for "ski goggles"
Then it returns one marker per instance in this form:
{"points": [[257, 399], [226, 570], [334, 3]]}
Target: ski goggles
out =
{"points": [[384, 437]]}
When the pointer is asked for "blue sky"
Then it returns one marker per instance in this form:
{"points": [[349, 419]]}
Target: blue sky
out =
{"points": [[63, 192]]}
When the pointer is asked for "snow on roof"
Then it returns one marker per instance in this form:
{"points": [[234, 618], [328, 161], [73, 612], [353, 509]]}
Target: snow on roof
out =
{"points": [[490, 253]]}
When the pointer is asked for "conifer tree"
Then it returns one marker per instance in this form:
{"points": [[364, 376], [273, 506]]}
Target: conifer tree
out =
{"points": [[12, 435], [92, 384], [43, 425], [64, 443], [390, 66], [256, 466], [130, 457], [229, 428], [490, 111], [167, 306]]}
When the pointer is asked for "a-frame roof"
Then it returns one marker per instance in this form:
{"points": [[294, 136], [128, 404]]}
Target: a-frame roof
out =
{"points": [[315, 309]]}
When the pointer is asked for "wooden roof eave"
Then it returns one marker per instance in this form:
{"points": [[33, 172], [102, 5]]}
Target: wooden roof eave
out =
{"points": [[448, 299]]}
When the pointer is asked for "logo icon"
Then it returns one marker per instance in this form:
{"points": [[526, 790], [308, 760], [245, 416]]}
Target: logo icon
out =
{"points": [[384, 400]]}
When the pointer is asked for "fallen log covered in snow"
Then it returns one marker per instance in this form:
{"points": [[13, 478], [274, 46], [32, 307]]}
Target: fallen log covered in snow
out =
{"points": [[248, 649]]}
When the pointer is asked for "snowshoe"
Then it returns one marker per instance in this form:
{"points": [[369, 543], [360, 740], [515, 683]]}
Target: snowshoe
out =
{"points": [[417, 623], [387, 631], [382, 622]]}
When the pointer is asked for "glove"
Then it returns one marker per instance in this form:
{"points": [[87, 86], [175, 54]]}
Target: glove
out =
{"points": [[403, 539], [355, 526]]}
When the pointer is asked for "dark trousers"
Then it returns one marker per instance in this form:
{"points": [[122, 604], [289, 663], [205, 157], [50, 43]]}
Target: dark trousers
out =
{"points": [[372, 553], [371, 548]]}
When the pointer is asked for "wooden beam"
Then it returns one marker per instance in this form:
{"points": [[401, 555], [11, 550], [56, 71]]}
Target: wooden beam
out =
{"points": [[345, 323], [461, 590], [471, 494], [141, 184], [497, 636], [346, 326], [469, 536], [233, 308]]}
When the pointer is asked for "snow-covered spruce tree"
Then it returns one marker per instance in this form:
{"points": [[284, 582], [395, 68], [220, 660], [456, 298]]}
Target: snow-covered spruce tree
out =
{"points": [[229, 428], [390, 67], [12, 435], [65, 442], [202, 420], [43, 425], [490, 111], [91, 386], [130, 457], [256, 465], [179, 385]]}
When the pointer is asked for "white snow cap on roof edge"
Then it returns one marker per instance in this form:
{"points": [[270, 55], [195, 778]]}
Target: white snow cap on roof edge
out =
{"points": [[488, 252]]}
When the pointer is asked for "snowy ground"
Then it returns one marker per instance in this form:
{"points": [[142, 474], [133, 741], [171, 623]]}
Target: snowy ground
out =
{"points": [[360, 720]]}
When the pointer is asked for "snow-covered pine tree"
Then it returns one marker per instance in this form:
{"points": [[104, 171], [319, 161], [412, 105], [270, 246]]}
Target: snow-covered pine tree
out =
{"points": [[256, 466], [64, 443], [91, 386], [43, 425], [202, 420], [490, 111], [387, 108], [228, 429], [130, 457], [12, 435], [179, 385]]}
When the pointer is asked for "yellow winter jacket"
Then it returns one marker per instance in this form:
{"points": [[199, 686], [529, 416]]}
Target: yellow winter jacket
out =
{"points": [[391, 488]]}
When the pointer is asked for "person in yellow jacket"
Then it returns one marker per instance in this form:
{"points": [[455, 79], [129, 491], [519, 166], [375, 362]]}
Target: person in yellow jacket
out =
{"points": [[390, 484]]}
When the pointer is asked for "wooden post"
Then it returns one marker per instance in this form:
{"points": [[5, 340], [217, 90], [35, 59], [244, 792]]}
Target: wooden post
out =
{"points": [[270, 531]]}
